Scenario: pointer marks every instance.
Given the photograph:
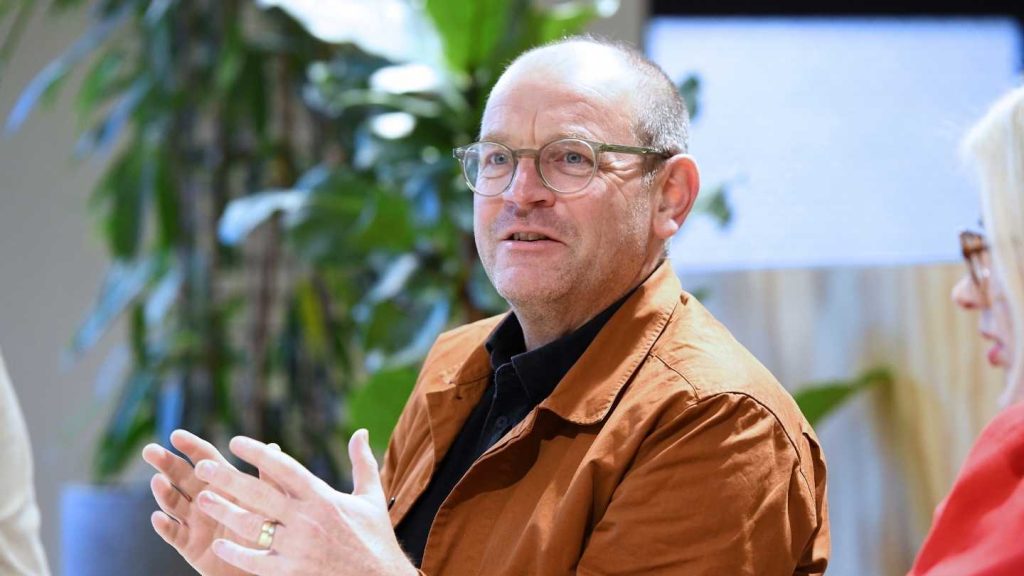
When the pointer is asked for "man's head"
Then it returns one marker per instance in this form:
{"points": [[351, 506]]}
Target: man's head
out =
{"points": [[602, 240]]}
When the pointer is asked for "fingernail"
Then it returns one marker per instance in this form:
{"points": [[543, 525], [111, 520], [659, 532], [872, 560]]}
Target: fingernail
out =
{"points": [[205, 499], [245, 441], [206, 469], [219, 547]]}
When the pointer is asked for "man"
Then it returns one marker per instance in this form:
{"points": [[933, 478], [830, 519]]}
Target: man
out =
{"points": [[607, 425], [21, 552]]}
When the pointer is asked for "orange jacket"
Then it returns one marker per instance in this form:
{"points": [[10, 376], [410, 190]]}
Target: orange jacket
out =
{"points": [[666, 449]]}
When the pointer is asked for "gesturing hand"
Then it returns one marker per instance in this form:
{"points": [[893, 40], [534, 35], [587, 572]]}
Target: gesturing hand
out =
{"points": [[316, 529], [175, 488]]}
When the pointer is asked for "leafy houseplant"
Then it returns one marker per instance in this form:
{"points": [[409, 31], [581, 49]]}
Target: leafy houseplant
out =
{"points": [[287, 229], [818, 400]]}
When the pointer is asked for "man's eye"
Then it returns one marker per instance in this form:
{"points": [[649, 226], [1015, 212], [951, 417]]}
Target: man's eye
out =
{"points": [[574, 158], [497, 159]]}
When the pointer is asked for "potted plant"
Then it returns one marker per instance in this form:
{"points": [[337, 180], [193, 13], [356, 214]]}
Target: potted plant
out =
{"points": [[286, 227]]}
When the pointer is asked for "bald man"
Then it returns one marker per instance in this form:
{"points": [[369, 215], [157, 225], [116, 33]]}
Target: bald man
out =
{"points": [[21, 553], [607, 424]]}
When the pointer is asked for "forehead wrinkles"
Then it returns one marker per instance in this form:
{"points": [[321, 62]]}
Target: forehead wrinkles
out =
{"points": [[589, 83], [540, 109]]}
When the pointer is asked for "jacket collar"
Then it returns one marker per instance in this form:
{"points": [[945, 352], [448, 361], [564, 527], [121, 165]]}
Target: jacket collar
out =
{"points": [[587, 392]]}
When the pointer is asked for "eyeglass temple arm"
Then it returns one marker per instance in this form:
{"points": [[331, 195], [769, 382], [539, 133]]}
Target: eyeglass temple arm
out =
{"points": [[632, 150]]}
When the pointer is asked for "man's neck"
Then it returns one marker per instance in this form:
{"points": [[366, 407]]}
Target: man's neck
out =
{"points": [[549, 321]]}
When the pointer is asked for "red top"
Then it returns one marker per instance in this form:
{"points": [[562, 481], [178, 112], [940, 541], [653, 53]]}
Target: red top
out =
{"points": [[979, 528]]}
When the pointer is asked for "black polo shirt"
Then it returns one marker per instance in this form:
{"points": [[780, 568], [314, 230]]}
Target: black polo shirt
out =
{"points": [[520, 381]]}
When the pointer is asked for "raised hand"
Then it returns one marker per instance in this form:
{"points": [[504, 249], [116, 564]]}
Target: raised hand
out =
{"points": [[298, 524], [175, 487]]}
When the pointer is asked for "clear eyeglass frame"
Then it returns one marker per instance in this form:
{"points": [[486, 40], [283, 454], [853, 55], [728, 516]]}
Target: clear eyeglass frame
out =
{"points": [[463, 153], [976, 256]]}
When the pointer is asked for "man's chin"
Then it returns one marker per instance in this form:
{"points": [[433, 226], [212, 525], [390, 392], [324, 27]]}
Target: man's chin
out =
{"points": [[526, 291]]}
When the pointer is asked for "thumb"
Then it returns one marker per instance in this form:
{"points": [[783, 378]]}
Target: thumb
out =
{"points": [[365, 476]]}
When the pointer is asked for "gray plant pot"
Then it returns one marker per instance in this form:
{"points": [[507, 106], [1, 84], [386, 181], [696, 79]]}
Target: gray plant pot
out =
{"points": [[105, 531]]}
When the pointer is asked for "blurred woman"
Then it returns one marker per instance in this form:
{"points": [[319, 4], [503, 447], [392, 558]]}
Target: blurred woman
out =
{"points": [[21, 553], [979, 528]]}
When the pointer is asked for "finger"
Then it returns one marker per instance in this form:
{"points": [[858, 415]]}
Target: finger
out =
{"points": [[196, 448], [365, 474], [170, 500], [237, 519], [176, 468], [259, 562], [293, 477], [174, 533], [266, 477], [249, 492]]}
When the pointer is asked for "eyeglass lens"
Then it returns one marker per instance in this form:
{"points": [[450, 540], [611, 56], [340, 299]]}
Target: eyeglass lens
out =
{"points": [[976, 255], [566, 166]]}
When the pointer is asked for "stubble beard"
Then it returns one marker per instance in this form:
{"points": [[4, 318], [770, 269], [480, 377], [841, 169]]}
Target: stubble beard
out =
{"points": [[573, 290]]}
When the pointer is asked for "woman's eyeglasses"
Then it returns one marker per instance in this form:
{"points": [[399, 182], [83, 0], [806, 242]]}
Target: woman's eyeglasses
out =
{"points": [[975, 251]]}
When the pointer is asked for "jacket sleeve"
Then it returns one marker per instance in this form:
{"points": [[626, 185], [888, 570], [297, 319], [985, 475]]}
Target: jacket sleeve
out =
{"points": [[716, 489], [21, 552]]}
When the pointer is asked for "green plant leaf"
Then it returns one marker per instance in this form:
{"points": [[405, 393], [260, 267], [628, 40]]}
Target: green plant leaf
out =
{"points": [[311, 316], [132, 422], [165, 202], [424, 336], [689, 89], [119, 197], [106, 77], [243, 215], [378, 403], [123, 283], [250, 93], [394, 278], [385, 224], [231, 63], [715, 203], [469, 31], [59, 68], [565, 19], [819, 400], [15, 29], [105, 133]]}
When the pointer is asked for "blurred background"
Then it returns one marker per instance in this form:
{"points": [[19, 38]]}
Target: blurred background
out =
{"points": [[243, 216]]}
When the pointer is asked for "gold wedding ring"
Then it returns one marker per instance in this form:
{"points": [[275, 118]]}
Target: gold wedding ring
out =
{"points": [[266, 538]]}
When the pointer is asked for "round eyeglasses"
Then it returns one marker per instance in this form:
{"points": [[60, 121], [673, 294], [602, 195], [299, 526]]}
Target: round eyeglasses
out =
{"points": [[565, 166]]}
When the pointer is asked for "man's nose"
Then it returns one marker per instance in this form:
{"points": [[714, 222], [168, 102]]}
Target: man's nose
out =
{"points": [[527, 189], [966, 295]]}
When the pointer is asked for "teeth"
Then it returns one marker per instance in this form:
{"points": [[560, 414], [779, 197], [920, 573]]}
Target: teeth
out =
{"points": [[528, 236]]}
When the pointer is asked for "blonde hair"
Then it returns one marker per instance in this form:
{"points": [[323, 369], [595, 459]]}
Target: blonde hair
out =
{"points": [[995, 146]]}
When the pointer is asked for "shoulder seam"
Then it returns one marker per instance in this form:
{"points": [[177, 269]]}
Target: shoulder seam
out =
{"points": [[678, 373], [778, 421]]}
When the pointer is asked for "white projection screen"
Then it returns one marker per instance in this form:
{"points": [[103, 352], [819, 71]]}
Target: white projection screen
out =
{"points": [[837, 137]]}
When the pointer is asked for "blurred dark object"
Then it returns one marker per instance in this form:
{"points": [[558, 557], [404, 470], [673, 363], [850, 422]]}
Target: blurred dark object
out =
{"points": [[106, 531]]}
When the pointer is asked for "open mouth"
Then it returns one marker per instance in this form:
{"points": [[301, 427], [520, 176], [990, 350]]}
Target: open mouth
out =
{"points": [[527, 237]]}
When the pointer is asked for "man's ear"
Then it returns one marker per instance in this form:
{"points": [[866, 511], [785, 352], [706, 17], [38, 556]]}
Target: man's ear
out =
{"points": [[677, 190]]}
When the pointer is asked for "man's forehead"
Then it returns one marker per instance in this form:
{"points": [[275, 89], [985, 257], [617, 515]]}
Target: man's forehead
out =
{"points": [[560, 94], [585, 65], [539, 121]]}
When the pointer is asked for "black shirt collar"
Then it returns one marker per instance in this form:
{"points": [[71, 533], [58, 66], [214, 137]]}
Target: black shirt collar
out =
{"points": [[540, 370]]}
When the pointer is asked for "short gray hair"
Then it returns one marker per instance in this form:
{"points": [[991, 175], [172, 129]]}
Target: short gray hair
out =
{"points": [[660, 118]]}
